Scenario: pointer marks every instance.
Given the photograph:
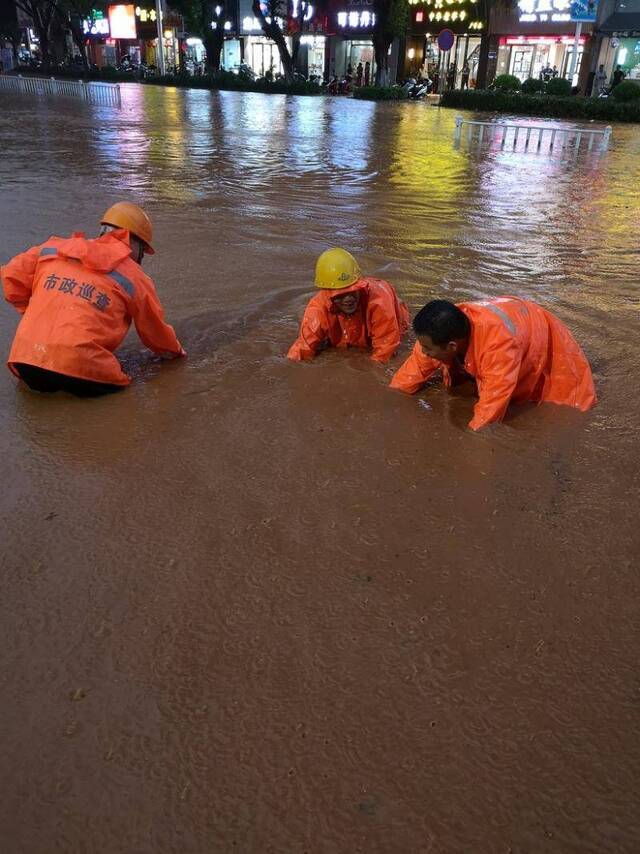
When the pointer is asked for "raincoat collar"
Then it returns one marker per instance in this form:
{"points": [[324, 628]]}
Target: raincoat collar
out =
{"points": [[102, 254]]}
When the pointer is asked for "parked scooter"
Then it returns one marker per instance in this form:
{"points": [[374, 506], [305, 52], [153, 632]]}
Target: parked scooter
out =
{"points": [[417, 89], [338, 86]]}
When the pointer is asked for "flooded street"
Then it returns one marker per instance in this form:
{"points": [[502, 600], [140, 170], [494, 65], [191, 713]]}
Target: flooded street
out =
{"points": [[256, 606]]}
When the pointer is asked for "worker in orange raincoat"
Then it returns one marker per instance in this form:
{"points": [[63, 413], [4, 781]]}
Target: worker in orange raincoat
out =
{"points": [[350, 311], [77, 298], [514, 349]]}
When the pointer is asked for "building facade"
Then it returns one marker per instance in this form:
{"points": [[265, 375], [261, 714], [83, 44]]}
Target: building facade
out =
{"points": [[618, 38], [535, 38], [446, 68]]}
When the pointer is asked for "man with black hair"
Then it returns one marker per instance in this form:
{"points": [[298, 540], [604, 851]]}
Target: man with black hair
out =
{"points": [[515, 350]]}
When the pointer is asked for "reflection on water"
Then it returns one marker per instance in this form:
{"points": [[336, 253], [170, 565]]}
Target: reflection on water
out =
{"points": [[256, 606]]}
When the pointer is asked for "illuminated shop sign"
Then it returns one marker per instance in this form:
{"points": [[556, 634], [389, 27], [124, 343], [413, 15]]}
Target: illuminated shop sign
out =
{"points": [[462, 13], [122, 22], [252, 25], [308, 10], [539, 11], [514, 41], [357, 20], [146, 15], [97, 25]]}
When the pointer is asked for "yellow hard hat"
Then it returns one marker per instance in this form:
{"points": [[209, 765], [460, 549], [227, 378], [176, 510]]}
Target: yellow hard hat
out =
{"points": [[134, 219], [335, 269]]}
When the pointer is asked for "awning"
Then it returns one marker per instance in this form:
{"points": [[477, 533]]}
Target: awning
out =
{"points": [[621, 23]]}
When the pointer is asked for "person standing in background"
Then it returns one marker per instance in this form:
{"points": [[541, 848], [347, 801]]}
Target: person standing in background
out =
{"points": [[465, 76], [599, 82]]}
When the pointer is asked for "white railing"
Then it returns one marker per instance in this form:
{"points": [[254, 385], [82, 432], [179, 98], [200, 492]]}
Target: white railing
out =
{"points": [[107, 94], [533, 135]]}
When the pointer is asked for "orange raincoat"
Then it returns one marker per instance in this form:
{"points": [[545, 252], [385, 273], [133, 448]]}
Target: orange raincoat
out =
{"points": [[77, 298], [379, 323], [517, 352]]}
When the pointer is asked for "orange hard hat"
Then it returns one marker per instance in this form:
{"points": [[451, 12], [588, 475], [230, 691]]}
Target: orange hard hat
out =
{"points": [[134, 219]]}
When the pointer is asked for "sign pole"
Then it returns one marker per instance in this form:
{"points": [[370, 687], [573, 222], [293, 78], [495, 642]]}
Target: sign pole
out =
{"points": [[160, 49], [574, 55]]}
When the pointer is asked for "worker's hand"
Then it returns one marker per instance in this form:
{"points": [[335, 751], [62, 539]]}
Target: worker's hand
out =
{"points": [[169, 355]]}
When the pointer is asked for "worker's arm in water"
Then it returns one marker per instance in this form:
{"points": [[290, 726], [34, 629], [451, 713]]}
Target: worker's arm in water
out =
{"points": [[415, 371], [313, 333], [17, 278], [154, 331], [497, 377], [383, 329]]}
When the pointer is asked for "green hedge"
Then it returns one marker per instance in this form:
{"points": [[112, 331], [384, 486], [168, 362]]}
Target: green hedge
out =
{"points": [[532, 86], [506, 83], [224, 81], [626, 91], [233, 83], [600, 109], [380, 93], [558, 87]]}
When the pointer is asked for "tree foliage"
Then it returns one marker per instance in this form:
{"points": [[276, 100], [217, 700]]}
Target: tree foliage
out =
{"points": [[41, 13], [206, 20], [9, 27]]}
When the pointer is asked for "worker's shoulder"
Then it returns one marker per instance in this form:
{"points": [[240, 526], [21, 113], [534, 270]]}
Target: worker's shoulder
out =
{"points": [[133, 273], [319, 300], [53, 242], [378, 285]]}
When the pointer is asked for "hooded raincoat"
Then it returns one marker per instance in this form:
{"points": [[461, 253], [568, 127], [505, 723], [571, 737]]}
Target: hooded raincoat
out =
{"points": [[378, 324], [517, 352], [77, 298]]}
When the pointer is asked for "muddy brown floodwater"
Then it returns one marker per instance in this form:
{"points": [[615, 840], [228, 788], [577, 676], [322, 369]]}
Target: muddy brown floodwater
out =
{"points": [[256, 606]]}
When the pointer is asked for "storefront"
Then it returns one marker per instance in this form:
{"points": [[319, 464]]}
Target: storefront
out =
{"points": [[125, 30], [101, 48], [260, 53], [351, 48], [539, 56], [536, 39], [311, 58], [453, 68], [626, 54], [620, 31]]}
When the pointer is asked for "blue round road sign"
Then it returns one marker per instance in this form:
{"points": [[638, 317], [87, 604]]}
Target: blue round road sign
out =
{"points": [[446, 39]]}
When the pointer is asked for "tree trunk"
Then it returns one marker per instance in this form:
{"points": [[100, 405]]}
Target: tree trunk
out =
{"points": [[214, 42], [272, 31], [45, 49], [483, 62], [295, 48], [285, 56], [77, 36], [381, 50]]}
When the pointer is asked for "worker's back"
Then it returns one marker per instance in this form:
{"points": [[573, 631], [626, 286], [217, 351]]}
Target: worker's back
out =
{"points": [[78, 297]]}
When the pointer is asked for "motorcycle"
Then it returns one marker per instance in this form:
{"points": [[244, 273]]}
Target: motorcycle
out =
{"points": [[421, 89], [339, 86], [415, 90]]}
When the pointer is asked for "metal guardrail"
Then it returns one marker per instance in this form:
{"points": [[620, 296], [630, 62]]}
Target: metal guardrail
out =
{"points": [[107, 94], [534, 135]]}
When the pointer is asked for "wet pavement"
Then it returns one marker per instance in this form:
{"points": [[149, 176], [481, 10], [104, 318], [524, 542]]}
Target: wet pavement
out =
{"points": [[255, 606]]}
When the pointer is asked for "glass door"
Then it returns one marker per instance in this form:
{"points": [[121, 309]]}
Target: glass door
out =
{"points": [[521, 62]]}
